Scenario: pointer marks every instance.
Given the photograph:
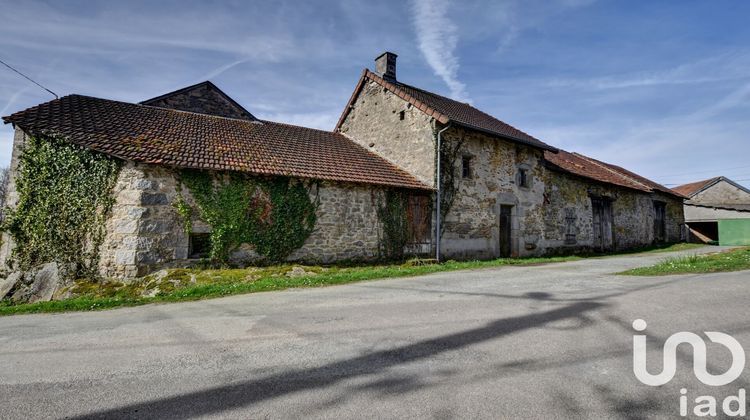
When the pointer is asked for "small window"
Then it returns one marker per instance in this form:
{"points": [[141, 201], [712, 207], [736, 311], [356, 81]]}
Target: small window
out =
{"points": [[200, 245], [466, 167], [401, 115], [523, 178]]}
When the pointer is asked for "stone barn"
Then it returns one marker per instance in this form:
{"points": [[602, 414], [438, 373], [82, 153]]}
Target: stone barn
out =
{"points": [[501, 191], [404, 172]]}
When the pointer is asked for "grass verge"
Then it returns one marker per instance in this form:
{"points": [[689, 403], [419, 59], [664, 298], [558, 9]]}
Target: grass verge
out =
{"points": [[194, 284], [732, 260]]}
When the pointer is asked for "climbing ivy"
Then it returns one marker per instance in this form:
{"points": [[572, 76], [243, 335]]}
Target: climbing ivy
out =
{"points": [[64, 197], [449, 179], [290, 221], [275, 215], [392, 216]]}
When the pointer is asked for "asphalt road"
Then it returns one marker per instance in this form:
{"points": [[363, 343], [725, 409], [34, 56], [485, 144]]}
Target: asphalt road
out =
{"points": [[551, 341]]}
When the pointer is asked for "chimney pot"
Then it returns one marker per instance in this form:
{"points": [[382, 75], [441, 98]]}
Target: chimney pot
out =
{"points": [[385, 66]]}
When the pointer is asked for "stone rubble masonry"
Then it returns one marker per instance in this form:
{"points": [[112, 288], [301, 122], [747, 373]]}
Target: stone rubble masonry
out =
{"points": [[11, 199], [471, 227], [538, 212], [375, 123], [145, 231], [632, 211], [202, 99]]}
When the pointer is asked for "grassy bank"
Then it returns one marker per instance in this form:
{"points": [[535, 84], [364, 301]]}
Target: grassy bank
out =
{"points": [[193, 284], [732, 260]]}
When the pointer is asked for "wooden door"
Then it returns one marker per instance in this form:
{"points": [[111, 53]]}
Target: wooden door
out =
{"points": [[660, 221], [505, 228], [602, 223]]}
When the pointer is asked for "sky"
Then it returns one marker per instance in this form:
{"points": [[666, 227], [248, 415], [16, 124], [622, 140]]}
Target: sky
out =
{"points": [[661, 88]]}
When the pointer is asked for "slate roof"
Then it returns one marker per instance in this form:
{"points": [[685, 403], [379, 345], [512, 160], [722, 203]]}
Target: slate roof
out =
{"points": [[188, 140], [446, 110], [584, 166]]}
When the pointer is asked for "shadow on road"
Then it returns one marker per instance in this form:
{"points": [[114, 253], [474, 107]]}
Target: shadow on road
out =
{"points": [[245, 394]]}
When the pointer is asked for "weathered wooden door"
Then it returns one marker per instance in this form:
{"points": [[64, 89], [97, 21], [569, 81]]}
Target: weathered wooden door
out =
{"points": [[602, 220], [505, 227], [660, 221]]}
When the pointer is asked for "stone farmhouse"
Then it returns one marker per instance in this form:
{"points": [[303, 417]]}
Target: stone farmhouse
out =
{"points": [[475, 186], [717, 210]]}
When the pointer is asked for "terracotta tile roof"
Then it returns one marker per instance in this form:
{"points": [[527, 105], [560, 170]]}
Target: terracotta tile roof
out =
{"points": [[584, 166], [693, 188], [446, 110], [189, 140]]}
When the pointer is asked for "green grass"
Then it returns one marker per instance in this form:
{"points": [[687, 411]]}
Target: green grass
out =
{"points": [[682, 246], [194, 284], [732, 260]]}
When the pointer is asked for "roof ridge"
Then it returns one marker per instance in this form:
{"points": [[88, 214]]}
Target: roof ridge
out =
{"points": [[146, 106], [475, 119], [607, 167], [299, 126], [429, 110]]}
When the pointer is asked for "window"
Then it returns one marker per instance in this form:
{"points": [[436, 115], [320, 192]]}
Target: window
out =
{"points": [[466, 167], [200, 244], [523, 178]]}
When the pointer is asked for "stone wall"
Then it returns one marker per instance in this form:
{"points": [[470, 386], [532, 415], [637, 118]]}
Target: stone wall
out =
{"points": [[471, 227], [568, 210], [11, 197], [375, 122], [145, 231], [202, 99]]}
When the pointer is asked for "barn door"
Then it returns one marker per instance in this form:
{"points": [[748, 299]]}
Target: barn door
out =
{"points": [[602, 223], [660, 221], [505, 228]]}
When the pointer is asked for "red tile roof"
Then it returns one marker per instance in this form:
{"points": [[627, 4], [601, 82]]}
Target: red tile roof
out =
{"points": [[446, 110], [188, 140], [693, 188], [584, 166]]}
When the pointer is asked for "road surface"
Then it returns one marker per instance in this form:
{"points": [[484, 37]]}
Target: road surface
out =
{"points": [[549, 341]]}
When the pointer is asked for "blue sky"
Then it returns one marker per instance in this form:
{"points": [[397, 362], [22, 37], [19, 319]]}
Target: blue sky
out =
{"points": [[662, 88]]}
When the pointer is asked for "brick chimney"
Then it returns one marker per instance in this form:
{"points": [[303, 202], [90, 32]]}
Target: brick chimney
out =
{"points": [[385, 66]]}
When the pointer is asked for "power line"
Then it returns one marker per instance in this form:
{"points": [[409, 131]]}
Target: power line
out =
{"points": [[29, 79], [706, 171]]}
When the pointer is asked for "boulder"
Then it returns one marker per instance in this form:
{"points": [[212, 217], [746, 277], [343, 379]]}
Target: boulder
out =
{"points": [[9, 283], [46, 281]]}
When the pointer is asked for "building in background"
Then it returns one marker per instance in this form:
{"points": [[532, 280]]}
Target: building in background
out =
{"points": [[717, 210]]}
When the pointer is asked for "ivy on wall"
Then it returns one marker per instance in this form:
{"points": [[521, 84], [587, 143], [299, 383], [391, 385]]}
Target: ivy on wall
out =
{"points": [[449, 179], [392, 215], [276, 215], [64, 198]]}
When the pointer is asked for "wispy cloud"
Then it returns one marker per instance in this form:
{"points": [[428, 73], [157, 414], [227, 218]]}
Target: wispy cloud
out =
{"points": [[438, 37]]}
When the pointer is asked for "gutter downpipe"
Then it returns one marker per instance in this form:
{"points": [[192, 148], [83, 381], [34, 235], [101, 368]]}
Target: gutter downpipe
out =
{"points": [[437, 227]]}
